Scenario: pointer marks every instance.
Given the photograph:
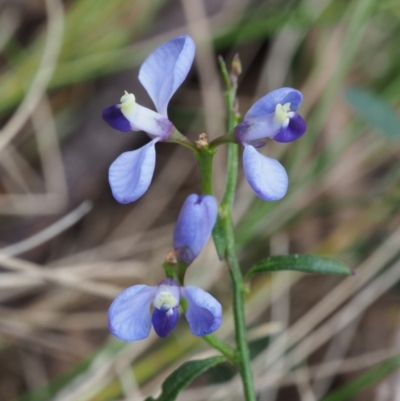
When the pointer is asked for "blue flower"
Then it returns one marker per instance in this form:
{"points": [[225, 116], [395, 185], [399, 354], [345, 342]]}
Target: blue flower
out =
{"points": [[193, 228], [161, 74], [273, 116], [129, 316]]}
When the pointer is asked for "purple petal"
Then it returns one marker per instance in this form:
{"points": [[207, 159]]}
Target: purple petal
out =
{"points": [[165, 69], [113, 116], [257, 143], [296, 128], [130, 174], [266, 176], [164, 321], [193, 228], [250, 131], [170, 282], [267, 104], [129, 316], [204, 313]]}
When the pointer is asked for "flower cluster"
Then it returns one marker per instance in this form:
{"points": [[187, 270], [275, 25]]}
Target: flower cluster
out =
{"points": [[129, 315], [274, 116]]}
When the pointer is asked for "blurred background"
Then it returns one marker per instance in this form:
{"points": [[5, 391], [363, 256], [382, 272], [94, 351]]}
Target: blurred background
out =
{"points": [[68, 247]]}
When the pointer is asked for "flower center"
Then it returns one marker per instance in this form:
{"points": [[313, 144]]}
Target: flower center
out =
{"points": [[283, 113], [165, 301], [128, 102]]}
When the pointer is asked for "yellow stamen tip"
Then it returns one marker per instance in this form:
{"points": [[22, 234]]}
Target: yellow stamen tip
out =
{"points": [[281, 112], [128, 102]]}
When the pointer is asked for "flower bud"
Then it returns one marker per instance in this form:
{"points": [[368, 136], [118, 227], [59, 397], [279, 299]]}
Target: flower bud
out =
{"points": [[195, 223], [236, 70]]}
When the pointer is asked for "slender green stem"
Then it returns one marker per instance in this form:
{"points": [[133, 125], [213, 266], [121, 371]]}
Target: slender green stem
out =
{"points": [[205, 157], [223, 140], [232, 166], [237, 279], [243, 354], [177, 137], [222, 347]]}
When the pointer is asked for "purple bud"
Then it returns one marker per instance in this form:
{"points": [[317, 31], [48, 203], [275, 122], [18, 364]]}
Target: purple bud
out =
{"points": [[195, 223]]}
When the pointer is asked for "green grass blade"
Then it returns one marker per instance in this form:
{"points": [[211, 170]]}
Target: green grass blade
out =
{"points": [[366, 380]]}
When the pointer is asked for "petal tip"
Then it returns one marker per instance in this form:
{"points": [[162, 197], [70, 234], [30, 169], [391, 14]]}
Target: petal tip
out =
{"points": [[266, 176], [129, 314], [165, 69], [204, 313], [131, 173]]}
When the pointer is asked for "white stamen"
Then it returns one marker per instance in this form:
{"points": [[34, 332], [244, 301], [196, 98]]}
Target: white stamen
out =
{"points": [[128, 102], [164, 300], [283, 114]]}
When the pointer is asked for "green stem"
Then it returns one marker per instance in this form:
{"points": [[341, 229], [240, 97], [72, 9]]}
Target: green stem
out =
{"points": [[237, 278], [205, 157], [223, 140], [177, 137], [222, 347], [243, 354], [232, 166]]}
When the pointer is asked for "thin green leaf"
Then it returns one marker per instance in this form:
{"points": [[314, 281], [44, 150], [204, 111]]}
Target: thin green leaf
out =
{"points": [[375, 111], [301, 263], [373, 376], [183, 376]]}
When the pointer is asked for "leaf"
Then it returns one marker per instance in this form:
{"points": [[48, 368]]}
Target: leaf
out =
{"points": [[219, 238], [371, 377], [375, 111], [183, 376], [301, 263]]}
